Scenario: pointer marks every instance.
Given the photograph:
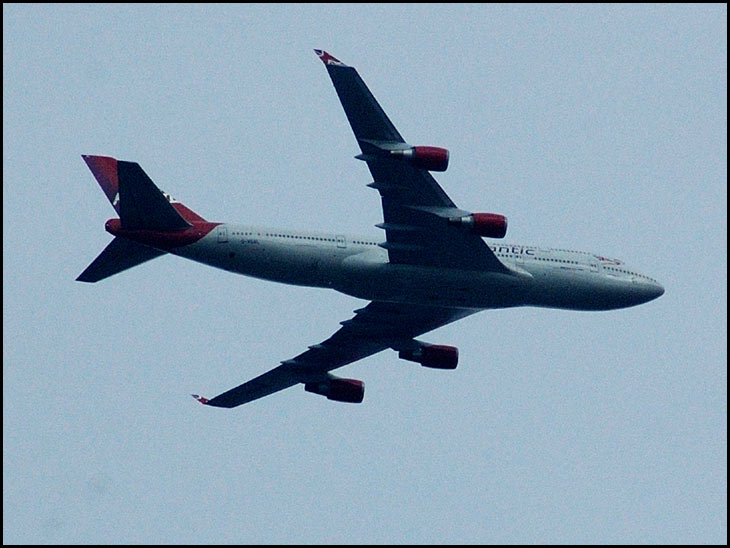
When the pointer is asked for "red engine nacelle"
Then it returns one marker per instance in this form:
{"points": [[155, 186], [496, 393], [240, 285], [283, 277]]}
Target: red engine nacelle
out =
{"points": [[436, 356], [489, 225], [429, 158], [336, 389]]}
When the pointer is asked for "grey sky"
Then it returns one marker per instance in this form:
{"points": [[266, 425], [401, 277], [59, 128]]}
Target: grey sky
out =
{"points": [[599, 128]]}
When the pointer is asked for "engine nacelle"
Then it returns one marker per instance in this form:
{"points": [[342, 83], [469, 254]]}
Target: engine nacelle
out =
{"points": [[436, 356], [488, 225], [429, 158], [336, 389]]}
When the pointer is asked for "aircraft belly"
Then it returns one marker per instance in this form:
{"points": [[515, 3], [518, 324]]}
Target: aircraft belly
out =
{"points": [[382, 281]]}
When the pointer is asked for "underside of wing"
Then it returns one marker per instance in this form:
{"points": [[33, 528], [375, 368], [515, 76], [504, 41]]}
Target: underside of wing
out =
{"points": [[421, 223], [270, 382], [374, 328]]}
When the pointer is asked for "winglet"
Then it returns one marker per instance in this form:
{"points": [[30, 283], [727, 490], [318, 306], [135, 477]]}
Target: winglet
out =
{"points": [[328, 59], [201, 399]]}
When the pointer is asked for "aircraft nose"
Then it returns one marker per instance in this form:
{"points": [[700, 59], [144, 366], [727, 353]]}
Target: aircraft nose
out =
{"points": [[651, 290], [659, 289]]}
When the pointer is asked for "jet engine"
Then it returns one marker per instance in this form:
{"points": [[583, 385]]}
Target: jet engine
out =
{"points": [[436, 356], [488, 225], [337, 389], [428, 158]]}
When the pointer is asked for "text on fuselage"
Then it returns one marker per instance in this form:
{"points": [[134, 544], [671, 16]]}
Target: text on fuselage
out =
{"points": [[513, 249]]}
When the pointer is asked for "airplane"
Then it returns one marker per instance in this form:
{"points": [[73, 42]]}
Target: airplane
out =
{"points": [[437, 263]]}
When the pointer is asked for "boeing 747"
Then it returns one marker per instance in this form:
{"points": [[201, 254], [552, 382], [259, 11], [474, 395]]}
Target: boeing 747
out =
{"points": [[437, 263]]}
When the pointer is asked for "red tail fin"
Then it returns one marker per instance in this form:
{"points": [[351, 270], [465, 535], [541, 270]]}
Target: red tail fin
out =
{"points": [[104, 169], [145, 206]]}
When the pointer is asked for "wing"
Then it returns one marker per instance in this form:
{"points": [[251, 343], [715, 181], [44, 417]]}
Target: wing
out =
{"points": [[374, 328], [416, 210]]}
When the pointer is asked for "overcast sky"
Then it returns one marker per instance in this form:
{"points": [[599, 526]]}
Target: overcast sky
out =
{"points": [[597, 128]]}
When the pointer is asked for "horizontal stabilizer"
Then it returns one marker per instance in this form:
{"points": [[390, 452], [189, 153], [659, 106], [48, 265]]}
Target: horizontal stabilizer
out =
{"points": [[118, 256]]}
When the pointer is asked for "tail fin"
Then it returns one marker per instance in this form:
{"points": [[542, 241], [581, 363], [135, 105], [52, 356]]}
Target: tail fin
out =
{"points": [[139, 203], [141, 206], [105, 172]]}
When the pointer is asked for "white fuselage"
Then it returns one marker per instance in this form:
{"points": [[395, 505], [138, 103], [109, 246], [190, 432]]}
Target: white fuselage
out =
{"points": [[360, 267]]}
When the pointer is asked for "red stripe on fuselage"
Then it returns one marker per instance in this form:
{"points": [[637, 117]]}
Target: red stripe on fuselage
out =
{"points": [[162, 239]]}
